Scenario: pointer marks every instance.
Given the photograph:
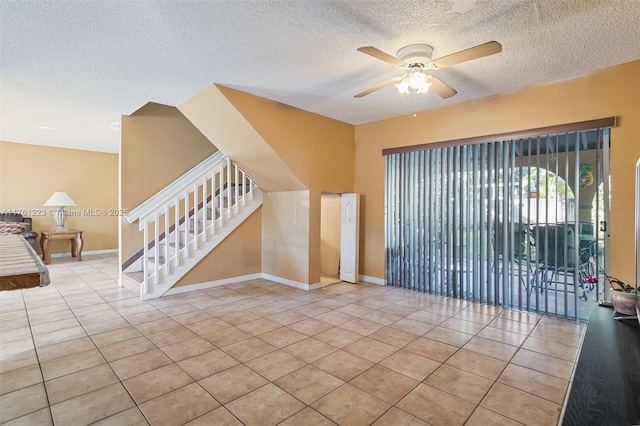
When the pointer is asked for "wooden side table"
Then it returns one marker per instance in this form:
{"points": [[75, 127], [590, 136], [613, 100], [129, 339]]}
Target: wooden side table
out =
{"points": [[68, 234]]}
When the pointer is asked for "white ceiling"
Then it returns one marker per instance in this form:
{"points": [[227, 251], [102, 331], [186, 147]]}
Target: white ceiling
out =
{"points": [[69, 69]]}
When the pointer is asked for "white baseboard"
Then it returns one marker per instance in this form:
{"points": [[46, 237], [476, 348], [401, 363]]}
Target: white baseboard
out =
{"points": [[240, 279], [371, 280], [211, 284], [315, 286], [291, 283], [87, 253]]}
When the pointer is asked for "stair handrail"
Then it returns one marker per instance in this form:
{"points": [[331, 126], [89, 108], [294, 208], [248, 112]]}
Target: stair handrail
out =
{"points": [[176, 187]]}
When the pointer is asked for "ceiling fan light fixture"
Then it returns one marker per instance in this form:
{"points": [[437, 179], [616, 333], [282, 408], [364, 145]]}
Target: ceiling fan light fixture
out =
{"points": [[417, 79], [425, 86], [403, 86]]}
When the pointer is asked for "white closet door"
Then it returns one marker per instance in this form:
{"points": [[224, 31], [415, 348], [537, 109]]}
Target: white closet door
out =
{"points": [[350, 214]]}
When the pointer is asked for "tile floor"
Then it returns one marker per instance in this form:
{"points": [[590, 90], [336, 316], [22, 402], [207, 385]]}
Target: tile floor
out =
{"points": [[83, 351]]}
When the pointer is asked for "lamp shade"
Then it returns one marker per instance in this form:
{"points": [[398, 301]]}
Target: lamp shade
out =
{"points": [[417, 79], [59, 199], [403, 86]]}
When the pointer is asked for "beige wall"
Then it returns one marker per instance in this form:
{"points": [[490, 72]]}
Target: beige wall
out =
{"points": [[29, 174], [239, 254], [285, 235], [330, 235], [611, 92], [320, 152], [158, 145], [217, 118]]}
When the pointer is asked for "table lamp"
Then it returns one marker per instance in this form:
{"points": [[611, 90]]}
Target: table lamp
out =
{"points": [[60, 200]]}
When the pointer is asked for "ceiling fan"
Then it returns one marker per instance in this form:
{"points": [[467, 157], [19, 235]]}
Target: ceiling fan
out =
{"points": [[415, 59]]}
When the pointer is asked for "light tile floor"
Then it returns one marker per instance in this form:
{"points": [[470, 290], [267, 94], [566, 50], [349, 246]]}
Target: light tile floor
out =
{"points": [[84, 351]]}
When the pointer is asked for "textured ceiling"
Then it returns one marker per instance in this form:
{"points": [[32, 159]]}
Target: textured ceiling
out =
{"points": [[69, 69]]}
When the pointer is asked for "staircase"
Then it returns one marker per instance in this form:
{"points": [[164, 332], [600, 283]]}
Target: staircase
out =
{"points": [[183, 222]]}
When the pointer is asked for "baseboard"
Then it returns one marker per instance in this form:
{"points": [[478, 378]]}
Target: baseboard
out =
{"points": [[212, 284], [242, 278], [291, 283], [315, 286], [86, 253], [371, 280]]}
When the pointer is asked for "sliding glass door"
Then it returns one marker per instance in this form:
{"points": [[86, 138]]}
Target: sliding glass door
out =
{"points": [[510, 222]]}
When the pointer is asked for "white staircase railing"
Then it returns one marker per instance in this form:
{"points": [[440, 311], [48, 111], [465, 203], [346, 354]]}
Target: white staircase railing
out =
{"points": [[180, 222]]}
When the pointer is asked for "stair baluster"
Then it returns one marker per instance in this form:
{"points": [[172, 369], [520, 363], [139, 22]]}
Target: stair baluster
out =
{"points": [[228, 188], [235, 188], [195, 216], [166, 237], [176, 232], [156, 263], [145, 263], [244, 189], [213, 204]]}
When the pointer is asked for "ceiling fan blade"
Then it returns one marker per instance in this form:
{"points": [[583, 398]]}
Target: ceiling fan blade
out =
{"points": [[441, 89], [379, 54], [463, 6], [470, 54], [378, 87]]}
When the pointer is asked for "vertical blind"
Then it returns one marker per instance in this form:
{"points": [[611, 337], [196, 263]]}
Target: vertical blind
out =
{"points": [[500, 222]]}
